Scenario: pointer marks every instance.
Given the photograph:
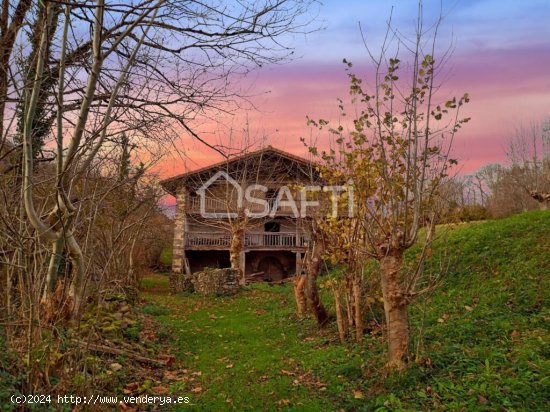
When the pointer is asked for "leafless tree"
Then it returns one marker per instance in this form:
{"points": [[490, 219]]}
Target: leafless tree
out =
{"points": [[74, 77], [529, 156], [147, 67]]}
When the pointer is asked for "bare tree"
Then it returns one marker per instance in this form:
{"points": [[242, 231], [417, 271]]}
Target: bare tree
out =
{"points": [[529, 156], [397, 153], [74, 77], [129, 87]]}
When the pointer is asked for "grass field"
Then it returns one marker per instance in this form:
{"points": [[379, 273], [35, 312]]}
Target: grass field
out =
{"points": [[486, 340]]}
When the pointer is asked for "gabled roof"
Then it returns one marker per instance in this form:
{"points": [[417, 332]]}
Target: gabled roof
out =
{"points": [[171, 184]]}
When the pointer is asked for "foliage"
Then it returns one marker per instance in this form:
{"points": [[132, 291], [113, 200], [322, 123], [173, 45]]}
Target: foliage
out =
{"points": [[483, 346]]}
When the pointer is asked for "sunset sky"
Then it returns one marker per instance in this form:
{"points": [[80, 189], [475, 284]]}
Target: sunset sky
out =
{"points": [[501, 58]]}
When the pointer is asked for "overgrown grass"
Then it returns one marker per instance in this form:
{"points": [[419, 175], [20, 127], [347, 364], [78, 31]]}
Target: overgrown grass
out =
{"points": [[485, 344]]}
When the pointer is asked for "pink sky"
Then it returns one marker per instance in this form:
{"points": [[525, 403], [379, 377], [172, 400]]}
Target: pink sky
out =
{"points": [[505, 73]]}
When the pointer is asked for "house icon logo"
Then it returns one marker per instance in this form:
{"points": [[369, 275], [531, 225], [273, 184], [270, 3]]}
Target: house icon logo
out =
{"points": [[203, 190]]}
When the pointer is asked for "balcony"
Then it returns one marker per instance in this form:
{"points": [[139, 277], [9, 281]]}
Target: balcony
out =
{"points": [[252, 241], [214, 205]]}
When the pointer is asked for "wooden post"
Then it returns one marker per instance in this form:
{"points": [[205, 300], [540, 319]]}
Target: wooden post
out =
{"points": [[242, 264]]}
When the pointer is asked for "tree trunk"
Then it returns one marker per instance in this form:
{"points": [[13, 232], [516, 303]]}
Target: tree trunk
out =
{"points": [[7, 41], [349, 303], [76, 291], [49, 302], [312, 294], [395, 307], [340, 319], [358, 313], [235, 250], [299, 294]]}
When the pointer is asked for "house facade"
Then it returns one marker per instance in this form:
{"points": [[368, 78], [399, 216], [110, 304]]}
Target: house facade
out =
{"points": [[242, 205]]}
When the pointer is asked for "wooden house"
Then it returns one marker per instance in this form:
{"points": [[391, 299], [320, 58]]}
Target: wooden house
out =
{"points": [[229, 199]]}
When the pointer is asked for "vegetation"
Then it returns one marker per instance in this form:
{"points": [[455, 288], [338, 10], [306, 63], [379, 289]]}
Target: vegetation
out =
{"points": [[397, 158], [87, 109], [92, 93], [483, 344]]}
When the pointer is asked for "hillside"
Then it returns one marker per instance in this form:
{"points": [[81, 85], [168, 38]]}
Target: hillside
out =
{"points": [[485, 343]]}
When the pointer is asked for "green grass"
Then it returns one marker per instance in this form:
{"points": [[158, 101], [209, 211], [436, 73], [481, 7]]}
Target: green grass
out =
{"points": [[485, 344], [166, 256], [253, 354]]}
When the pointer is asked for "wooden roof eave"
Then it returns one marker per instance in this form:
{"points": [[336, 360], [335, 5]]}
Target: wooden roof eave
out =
{"points": [[172, 184]]}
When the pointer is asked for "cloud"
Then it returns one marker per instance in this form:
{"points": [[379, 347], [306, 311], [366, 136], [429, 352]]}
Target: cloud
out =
{"points": [[500, 59]]}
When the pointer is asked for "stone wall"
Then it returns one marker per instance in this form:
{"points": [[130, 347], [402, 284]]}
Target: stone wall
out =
{"points": [[180, 282], [216, 282]]}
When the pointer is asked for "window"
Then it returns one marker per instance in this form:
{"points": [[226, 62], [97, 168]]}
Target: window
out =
{"points": [[272, 227]]}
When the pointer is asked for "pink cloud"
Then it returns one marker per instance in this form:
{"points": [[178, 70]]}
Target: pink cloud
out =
{"points": [[507, 87]]}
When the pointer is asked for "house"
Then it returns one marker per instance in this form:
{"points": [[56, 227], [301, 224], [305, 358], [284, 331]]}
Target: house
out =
{"points": [[247, 206]]}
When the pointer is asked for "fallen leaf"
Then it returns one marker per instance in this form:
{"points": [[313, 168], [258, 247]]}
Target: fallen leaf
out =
{"points": [[171, 376], [198, 389], [115, 366], [161, 390], [358, 395], [287, 373], [168, 360], [229, 366], [131, 387], [468, 308]]}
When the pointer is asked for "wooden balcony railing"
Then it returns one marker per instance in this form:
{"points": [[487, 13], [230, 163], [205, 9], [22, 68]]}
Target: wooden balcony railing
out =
{"points": [[205, 239], [253, 240]]}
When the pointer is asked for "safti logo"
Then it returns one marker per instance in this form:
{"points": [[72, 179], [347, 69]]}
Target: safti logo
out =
{"points": [[267, 206]]}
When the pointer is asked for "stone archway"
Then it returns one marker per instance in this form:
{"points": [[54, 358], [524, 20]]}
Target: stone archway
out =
{"points": [[272, 267]]}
